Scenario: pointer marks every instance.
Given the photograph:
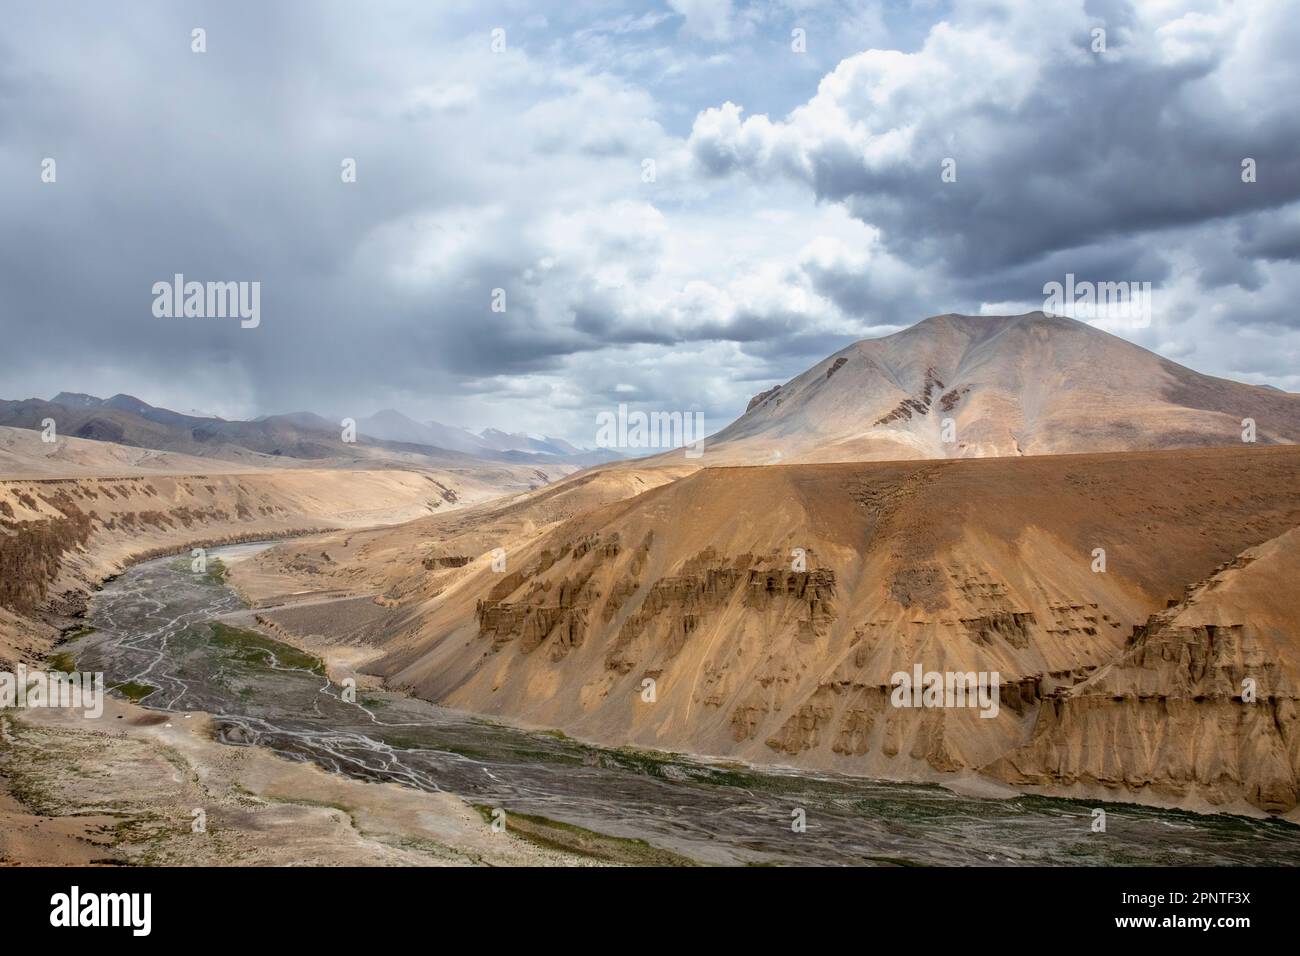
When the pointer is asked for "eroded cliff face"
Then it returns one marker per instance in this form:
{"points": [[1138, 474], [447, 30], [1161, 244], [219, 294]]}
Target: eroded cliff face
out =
{"points": [[762, 613], [1200, 705], [750, 656], [32, 551]]}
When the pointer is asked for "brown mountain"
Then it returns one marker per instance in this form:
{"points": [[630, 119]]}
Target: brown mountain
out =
{"points": [[1029, 384]]}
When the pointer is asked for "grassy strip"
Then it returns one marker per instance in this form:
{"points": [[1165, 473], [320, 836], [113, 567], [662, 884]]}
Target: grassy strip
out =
{"points": [[570, 838]]}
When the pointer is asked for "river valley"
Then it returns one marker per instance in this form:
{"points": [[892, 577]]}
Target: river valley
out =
{"points": [[159, 639]]}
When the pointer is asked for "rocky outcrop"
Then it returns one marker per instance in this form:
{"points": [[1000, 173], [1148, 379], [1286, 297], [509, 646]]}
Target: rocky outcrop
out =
{"points": [[761, 397], [675, 606], [530, 607], [440, 561], [920, 405]]}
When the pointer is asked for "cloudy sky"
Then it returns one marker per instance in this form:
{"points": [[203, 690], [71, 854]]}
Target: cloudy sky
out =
{"points": [[796, 202]]}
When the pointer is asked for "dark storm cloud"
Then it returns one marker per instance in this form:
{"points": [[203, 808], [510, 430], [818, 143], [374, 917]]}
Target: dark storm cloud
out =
{"points": [[1065, 159], [225, 165], [1274, 236], [1133, 259]]}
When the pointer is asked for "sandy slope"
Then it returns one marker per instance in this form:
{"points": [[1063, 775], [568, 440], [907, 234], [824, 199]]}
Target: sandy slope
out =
{"points": [[418, 560], [1012, 385], [123, 789], [24, 455], [968, 565]]}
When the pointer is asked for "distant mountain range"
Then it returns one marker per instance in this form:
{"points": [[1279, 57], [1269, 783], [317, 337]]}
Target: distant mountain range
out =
{"points": [[127, 420], [394, 426]]}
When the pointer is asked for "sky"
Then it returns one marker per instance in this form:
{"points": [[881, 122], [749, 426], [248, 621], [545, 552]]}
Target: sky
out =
{"points": [[684, 203]]}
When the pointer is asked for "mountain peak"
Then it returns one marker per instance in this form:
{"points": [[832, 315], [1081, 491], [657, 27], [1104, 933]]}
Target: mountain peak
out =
{"points": [[76, 400], [956, 386], [127, 403]]}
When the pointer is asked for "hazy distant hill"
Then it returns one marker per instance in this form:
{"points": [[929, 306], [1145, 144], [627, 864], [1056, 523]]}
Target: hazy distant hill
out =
{"points": [[127, 420], [491, 443]]}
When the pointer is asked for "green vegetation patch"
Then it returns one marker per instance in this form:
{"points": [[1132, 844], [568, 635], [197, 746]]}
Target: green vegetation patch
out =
{"points": [[571, 838], [62, 662], [250, 647], [134, 691]]}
